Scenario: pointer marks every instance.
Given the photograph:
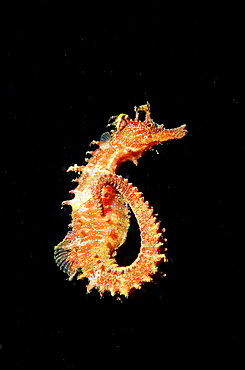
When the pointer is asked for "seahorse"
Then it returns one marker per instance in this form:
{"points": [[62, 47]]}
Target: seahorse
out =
{"points": [[101, 210]]}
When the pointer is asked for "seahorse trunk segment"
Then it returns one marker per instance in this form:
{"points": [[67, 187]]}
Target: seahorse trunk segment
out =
{"points": [[100, 211]]}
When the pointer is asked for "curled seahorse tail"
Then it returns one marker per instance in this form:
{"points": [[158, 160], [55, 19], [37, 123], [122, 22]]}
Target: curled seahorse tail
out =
{"points": [[123, 279]]}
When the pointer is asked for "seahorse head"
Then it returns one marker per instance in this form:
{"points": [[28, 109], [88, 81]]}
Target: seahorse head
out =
{"points": [[136, 137]]}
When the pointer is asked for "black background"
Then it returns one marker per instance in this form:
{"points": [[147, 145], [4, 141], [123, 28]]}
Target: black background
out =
{"points": [[70, 66]]}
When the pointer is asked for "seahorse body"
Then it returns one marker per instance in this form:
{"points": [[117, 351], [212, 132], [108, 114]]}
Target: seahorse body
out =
{"points": [[100, 210]]}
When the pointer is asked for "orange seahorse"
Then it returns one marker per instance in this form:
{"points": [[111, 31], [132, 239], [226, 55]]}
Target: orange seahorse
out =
{"points": [[100, 210]]}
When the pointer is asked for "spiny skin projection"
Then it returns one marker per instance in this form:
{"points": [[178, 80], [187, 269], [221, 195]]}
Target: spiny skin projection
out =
{"points": [[100, 210]]}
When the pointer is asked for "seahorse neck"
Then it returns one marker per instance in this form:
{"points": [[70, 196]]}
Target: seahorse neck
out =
{"points": [[108, 159]]}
